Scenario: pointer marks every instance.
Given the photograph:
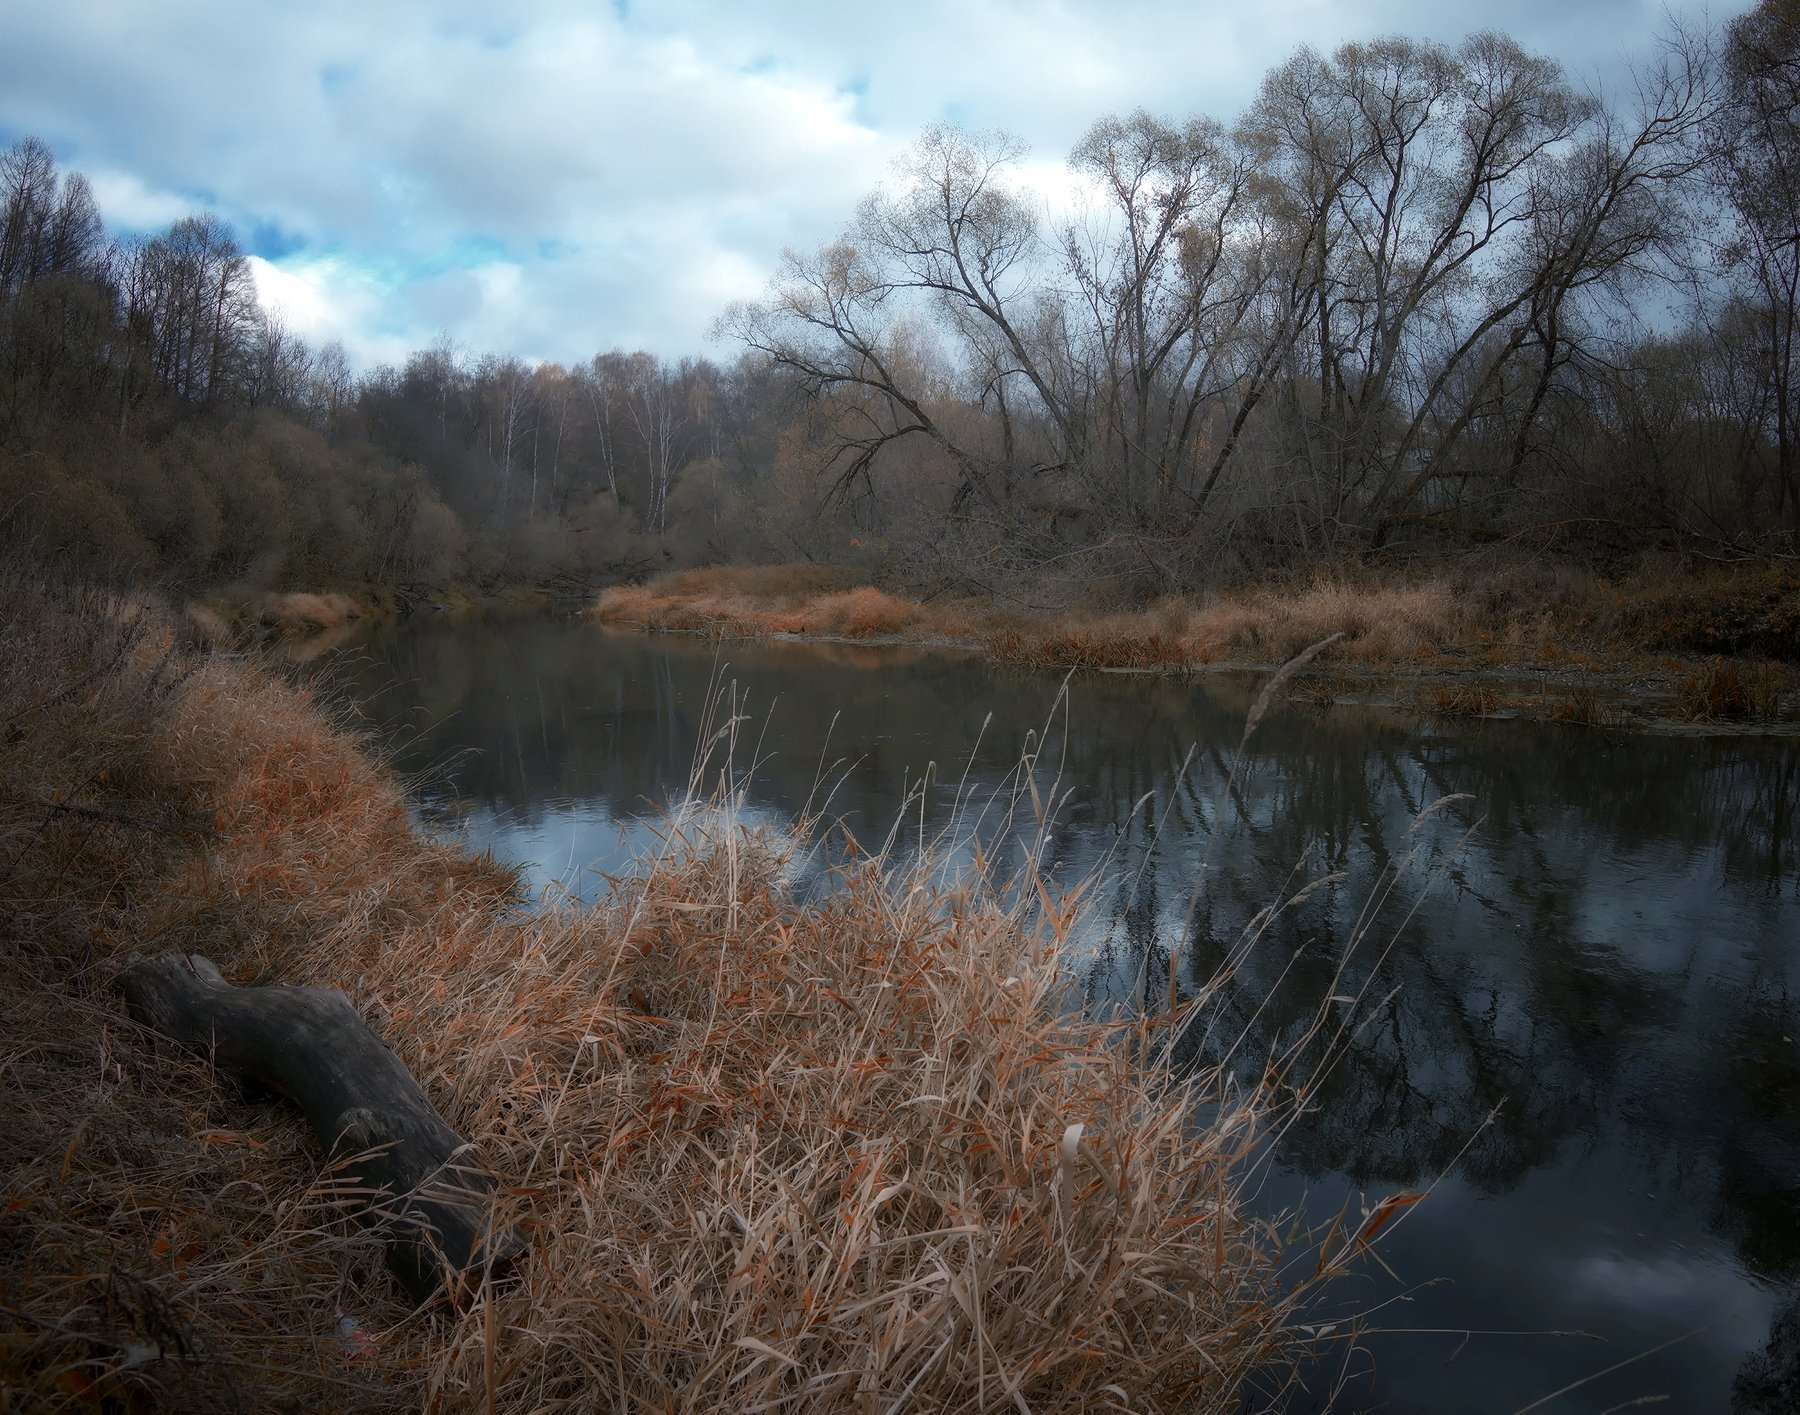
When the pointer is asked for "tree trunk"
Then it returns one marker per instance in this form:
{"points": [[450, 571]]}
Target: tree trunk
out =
{"points": [[426, 1193]]}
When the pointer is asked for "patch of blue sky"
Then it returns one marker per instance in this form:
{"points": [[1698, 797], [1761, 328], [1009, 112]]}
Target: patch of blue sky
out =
{"points": [[486, 33], [460, 253], [466, 252], [414, 258], [273, 242], [857, 91], [334, 79]]}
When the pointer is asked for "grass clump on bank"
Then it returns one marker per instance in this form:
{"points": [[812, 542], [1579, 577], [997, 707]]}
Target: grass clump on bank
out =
{"points": [[298, 613], [1723, 690], [849, 1154], [760, 600]]}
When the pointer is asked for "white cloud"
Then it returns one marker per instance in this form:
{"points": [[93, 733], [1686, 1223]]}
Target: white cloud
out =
{"points": [[327, 300], [127, 204], [549, 178], [298, 300]]}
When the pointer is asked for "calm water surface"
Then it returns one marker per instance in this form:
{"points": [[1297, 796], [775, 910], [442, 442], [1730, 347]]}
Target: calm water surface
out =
{"points": [[1584, 981]]}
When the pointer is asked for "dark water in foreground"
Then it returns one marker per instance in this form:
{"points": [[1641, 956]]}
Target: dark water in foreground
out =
{"points": [[1584, 987]]}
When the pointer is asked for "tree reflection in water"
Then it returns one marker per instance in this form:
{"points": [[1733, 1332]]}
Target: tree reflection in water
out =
{"points": [[1584, 985]]}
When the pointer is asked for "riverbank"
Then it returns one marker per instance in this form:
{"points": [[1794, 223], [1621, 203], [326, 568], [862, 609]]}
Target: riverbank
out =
{"points": [[331, 617], [821, 1153], [1519, 641]]}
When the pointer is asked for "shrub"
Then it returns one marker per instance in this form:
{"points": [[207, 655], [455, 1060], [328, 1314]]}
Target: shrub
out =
{"points": [[1723, 690]]}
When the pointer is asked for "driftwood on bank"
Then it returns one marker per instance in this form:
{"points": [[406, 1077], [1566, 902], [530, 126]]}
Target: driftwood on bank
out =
{"points": [[418, 1179]]}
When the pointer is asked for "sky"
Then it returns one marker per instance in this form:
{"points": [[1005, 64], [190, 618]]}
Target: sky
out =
{"points": [[549, 179]]}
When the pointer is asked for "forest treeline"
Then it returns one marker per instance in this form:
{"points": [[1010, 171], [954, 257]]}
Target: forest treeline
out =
{"points": [[158, 422], [1416, 296]]}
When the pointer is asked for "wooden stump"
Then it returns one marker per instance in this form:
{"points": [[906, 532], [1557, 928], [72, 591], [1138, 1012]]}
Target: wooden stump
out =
{"points": [[419, 1181]]}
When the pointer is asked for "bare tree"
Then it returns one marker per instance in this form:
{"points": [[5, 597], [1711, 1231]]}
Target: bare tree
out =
{"points": [[28, 201], [1405, 178], [552, 391], [955, 244], [656, 403], [1756, 138], [192, 302], [508, 389]]}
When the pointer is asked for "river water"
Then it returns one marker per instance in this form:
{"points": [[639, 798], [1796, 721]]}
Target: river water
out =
{"points": [[1580, 974]]}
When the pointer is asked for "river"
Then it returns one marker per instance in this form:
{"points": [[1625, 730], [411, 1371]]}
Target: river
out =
{"points": [[1580, 973]]}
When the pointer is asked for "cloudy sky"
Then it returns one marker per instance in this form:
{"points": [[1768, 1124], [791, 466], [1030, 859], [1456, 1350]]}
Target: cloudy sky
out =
{"points": [[551, 178]]}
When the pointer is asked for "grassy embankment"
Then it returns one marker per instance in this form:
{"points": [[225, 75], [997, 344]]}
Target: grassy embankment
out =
{"points": [[1542, 641], [328, 619], [769, 1155], [218, 622]]}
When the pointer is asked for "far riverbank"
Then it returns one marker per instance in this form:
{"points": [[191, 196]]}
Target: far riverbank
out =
{"points": [[1716, 653]]}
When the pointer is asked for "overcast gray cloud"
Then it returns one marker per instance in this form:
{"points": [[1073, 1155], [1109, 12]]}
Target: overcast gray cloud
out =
{"points": [[551, 178]]}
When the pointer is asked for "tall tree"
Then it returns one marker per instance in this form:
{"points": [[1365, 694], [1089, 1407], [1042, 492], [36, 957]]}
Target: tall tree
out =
{"points": [[656, 401], [1757, 139], [191, 300]]}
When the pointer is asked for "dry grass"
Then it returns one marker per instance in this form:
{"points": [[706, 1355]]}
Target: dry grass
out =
{"points": [[1378, 624], [1724, 690], [1749, 612], [204, 627], [1464, 700], [1496, 619], [758, 601], [1578, 704], [298, 613], [1375, 623], [847, 1155]]}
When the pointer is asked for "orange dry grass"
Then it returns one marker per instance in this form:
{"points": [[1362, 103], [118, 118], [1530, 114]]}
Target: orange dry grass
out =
{"points": [[1578, 704], [1384, 624], [1464, 700], [770, 1156], [1721, 689], [297, 613], [1376, 624], [863, 614], [758, 601], [152, 1249], [1114, 642]]}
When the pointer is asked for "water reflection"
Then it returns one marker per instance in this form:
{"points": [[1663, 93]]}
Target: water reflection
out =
{"points": [[1581, 981]]}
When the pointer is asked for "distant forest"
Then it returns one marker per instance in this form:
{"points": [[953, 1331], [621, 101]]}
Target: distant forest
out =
{"points": [[1415, 298]]}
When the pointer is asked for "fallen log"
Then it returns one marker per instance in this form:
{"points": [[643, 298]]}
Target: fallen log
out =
{"points": [[417, 1178]]}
